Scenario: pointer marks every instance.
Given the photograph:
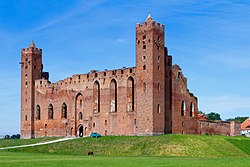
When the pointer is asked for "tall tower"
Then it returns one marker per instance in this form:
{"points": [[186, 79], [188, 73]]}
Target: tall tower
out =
{"points": [[150, 81], [31, 61]]}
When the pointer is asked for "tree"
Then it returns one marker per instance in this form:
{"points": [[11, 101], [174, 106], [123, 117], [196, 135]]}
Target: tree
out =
{"points": [[213, 116], [7, 137], [237, 119], [201, 112]]}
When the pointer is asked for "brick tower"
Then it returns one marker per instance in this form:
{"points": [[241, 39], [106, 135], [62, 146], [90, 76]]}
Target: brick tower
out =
{"points": [[150, 72], [31, 61]]}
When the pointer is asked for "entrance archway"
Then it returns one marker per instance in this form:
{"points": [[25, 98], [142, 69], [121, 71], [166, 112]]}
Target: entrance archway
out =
{"points": [[80, 131]]}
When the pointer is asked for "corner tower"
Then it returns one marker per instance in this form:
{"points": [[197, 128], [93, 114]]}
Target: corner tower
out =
{"points": [[150, 81], [31, 69]]}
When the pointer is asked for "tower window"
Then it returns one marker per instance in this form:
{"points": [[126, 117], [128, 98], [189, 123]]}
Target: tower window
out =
{"points": [[138, 42], [121, 71], [26, 67], [34, 67], [106, 122], [26, 59], [158, 38], [144, 67], [158, 67], [144, 46], [158, 108], [104, 73], [144, 57], [158, 58], [93, 125], [95, 74], [130, 70], [159, 86], [134, 121], [26, 117], [144, 36], [144, 86]]}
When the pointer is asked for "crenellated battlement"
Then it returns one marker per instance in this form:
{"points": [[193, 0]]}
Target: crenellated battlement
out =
{"points": [[29, 50], [76, 80], [150, 23]]}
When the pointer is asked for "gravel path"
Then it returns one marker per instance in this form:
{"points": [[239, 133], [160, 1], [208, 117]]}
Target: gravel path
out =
{"points": [[37, 144]]}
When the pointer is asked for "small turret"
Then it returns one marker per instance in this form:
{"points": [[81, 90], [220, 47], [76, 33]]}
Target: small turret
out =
{"points": [[149, 18], [32, 44]]}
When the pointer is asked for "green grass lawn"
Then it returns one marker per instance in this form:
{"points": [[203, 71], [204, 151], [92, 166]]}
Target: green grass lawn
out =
{"points": [[165, 145], [126, 151], [52, 160]]}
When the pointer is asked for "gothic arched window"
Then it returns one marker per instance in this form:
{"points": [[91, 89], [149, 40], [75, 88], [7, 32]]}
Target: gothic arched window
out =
{"points": [[191, 109], [50, 112], [38, 112], [96, 97], [80, 116], [113, 95], [64, 110], [130, 95], [183, 108]]}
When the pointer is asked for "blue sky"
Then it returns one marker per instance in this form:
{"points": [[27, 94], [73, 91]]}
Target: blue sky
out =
{"points": [[208, 39]]}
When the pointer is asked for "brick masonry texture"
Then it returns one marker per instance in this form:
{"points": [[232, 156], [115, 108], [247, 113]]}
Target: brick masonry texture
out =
{"points": [[149, 99]]}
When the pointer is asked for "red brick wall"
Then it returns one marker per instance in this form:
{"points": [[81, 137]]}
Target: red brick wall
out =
{"points": [[186, 124], [219, 128]]}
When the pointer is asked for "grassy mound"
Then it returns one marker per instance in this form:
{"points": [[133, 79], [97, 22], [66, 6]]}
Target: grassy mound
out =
{"points": [[18, 142], [165, 145]]}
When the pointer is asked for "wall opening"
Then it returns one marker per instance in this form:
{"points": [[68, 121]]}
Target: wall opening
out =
{"points": [[96, 97], [130, 94], [113, 95], [183, 108], [38, 112], [50, 112], [64, 110]]}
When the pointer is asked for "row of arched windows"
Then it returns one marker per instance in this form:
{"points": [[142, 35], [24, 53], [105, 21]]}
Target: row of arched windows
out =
{"points": [[113, 95], [51, 111], [96, 100], [183, 109]]}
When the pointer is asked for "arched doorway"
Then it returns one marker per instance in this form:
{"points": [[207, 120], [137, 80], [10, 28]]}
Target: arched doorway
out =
{"points": [[80, 131]]}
